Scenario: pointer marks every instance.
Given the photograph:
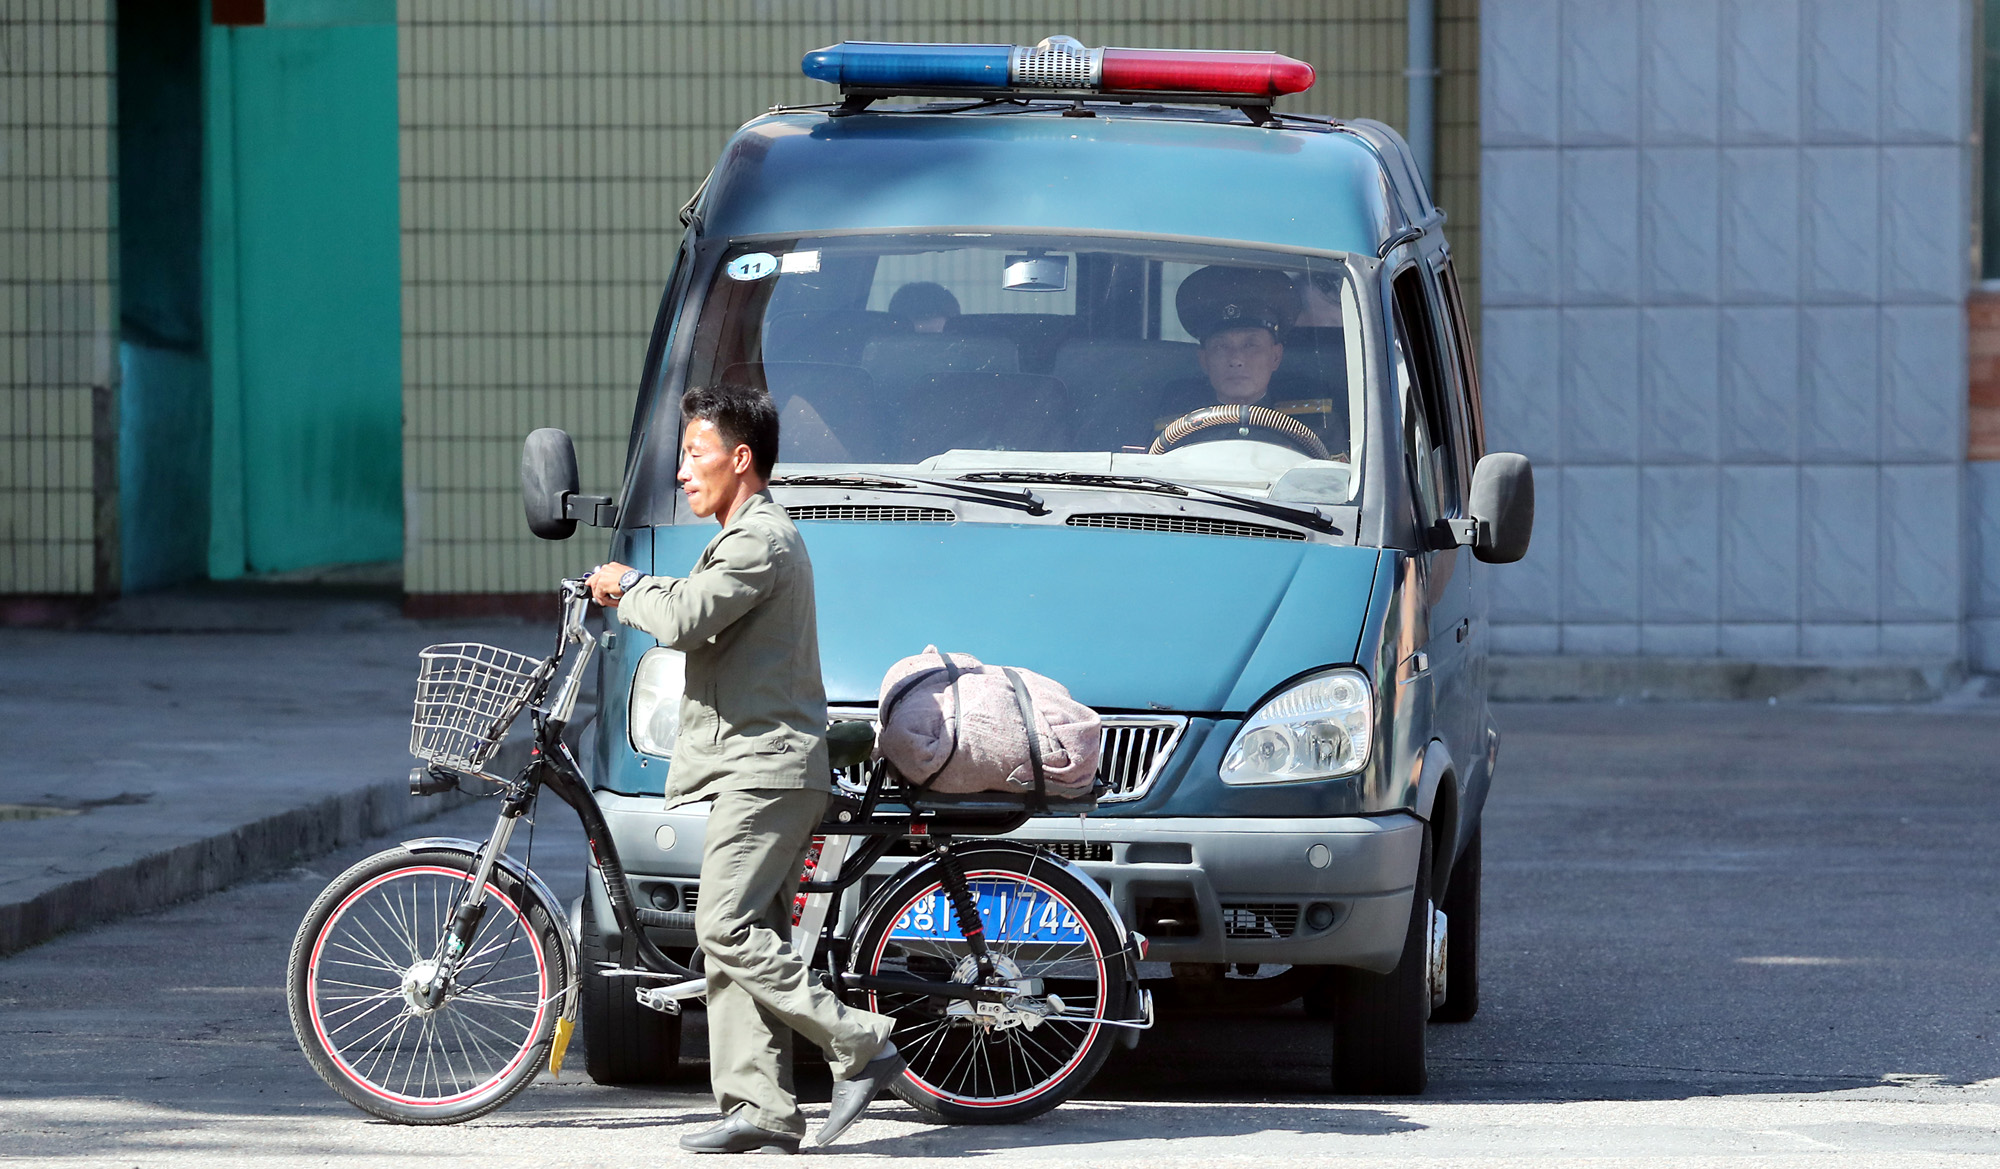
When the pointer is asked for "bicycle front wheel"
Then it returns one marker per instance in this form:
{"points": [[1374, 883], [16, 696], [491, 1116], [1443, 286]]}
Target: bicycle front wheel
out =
{"points": [[359, 966], [1050, 936]]}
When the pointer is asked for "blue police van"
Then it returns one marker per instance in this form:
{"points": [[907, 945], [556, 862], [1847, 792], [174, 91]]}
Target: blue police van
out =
{"points": [[1092, 362]]}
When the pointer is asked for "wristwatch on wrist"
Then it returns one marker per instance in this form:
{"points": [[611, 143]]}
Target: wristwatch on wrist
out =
{"points": [[632, 576]]}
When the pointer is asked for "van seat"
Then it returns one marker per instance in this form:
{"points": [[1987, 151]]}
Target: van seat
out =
{"points": [[898, 363], [830, 335], [1117, 383], [985, 411], [831, 413]]}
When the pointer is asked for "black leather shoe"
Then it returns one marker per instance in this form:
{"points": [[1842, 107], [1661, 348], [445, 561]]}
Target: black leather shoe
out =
{"points": [[737, 1135], [851, 1097]]}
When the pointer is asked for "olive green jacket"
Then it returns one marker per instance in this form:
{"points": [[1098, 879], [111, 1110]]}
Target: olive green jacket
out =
{"points": [[754, 712]]}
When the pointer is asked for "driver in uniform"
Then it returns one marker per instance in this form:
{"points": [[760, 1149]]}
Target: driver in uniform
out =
{"points": [[1240, 316]]}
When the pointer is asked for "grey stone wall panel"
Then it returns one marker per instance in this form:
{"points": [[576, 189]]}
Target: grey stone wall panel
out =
{"points": [[1924, 70], [1600, 545], [1680, 70], [1519, 381], [1923, 187], [1680, 201], [1600, 386], [1839, 238], [1520, 214], [1760, 225], [1679, 371], [1519, 46], [1922, 578], [1760, 72], [1600, 226], [1680, 545], [1759, 419], [1838, 545], [1924, 383], [1758, 534], [1842, 70], [1600, 73], [1840, 399]]}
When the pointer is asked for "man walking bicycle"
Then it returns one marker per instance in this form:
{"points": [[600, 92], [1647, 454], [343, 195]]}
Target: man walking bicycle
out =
{"points": [[753, 740]]}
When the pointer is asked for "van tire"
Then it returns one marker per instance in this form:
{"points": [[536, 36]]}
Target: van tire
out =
{"points": [[623, 1042], [1379, 1019], [1461, 959]]}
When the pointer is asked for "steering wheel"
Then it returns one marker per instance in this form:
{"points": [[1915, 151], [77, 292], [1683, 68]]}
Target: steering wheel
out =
{"points": [[1276, 427]]}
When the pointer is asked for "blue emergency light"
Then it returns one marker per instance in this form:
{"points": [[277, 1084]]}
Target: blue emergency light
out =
{"points": [[1057, 64]]}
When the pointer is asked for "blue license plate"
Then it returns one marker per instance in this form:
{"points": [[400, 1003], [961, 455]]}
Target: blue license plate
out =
{"points": [[1011, 913]]}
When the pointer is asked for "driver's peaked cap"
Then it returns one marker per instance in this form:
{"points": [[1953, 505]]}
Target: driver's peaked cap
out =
{"points": [[1216, 299]]}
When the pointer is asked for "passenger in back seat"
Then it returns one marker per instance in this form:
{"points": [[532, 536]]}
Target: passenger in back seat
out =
{"points": [[925, 304]]}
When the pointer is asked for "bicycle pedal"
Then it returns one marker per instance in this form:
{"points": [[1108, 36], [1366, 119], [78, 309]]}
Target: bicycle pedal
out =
{"points": [[651, 999]]}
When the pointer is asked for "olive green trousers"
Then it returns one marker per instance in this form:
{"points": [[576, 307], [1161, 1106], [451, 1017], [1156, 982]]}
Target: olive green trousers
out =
{"points": [[759, 989]]}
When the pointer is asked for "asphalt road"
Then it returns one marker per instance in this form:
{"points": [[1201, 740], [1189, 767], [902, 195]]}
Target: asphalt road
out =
{"points": [[1715, 935]]}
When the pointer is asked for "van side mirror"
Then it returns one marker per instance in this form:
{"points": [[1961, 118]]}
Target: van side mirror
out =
{"points": [[550, 492], [1502, 507]]}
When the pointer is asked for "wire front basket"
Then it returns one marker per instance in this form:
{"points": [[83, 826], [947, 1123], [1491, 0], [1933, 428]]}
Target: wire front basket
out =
{"points": [[467, 696]]}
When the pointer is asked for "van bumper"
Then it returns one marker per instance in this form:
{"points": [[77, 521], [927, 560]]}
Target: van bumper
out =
{"points": [[1200, 889]]}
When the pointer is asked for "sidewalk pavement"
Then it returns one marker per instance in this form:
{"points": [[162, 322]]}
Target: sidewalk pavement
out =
{"points": [[181, 742]]}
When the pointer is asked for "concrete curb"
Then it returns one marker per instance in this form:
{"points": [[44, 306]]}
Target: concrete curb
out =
{"points": [[264, 846], [205, 866], [1546, 679]]}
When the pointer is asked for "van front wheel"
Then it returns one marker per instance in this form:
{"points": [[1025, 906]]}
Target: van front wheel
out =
{"points": [[1379, 1019]]}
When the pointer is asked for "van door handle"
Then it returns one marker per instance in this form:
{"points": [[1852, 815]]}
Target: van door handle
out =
{"points": [[1464, 628]]}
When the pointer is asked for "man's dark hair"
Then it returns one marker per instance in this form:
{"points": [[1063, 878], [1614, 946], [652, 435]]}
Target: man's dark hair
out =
{"points": [[743, 415]]}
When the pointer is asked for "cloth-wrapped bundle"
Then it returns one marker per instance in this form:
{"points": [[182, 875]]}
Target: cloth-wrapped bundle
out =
{"points": [[954, 724]]}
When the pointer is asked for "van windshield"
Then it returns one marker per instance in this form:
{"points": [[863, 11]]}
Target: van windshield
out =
{"points": [[946, 355]]}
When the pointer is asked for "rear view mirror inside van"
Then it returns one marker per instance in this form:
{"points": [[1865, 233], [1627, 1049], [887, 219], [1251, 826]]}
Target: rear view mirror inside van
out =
{"points": [[1035, 272]]}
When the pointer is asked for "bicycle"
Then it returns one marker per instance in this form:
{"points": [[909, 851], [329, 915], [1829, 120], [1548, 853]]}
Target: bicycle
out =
{"points": [[430, 983]]}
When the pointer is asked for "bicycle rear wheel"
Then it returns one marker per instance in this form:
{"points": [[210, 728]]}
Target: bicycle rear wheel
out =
{"points": [[365, 947], [1050, 933]]}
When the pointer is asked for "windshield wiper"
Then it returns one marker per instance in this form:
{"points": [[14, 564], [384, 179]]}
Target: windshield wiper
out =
{"points": [[1305, 517], [1021, 499]]}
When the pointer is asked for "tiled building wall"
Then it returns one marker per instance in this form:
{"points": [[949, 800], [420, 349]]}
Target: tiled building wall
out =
{"points": [[1726, 263], [58, 301], [546, 149]]}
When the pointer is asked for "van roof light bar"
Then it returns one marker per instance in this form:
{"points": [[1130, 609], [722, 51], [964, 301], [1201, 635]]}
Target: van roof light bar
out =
{"points": [[1059, 67]]}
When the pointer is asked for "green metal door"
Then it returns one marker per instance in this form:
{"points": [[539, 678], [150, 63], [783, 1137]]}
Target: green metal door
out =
{"points": [[307, 275]]}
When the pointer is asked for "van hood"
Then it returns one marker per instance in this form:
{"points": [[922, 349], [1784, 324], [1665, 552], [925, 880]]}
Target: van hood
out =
{"points": [[1125, 620]]}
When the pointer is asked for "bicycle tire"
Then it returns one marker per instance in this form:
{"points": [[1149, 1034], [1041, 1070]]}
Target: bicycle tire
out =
{"points": [[366, 1034], [963, 1071]]}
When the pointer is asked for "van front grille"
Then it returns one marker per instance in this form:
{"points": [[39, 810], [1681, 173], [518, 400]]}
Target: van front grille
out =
{"points": [[1136, 749], [1186, 525], [1077, 850], [880, 513], [1258, 920]]}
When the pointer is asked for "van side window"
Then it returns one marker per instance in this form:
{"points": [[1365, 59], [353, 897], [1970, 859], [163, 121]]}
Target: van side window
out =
{"points": [[1474, 432], [1427, 417]]}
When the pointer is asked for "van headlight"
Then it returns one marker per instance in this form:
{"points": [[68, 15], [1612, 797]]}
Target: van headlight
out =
{"points": [[1318, 729], [657, 686]]}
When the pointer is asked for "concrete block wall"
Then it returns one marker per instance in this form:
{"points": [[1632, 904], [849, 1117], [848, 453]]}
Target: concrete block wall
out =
{"points": [[1726, 254]]}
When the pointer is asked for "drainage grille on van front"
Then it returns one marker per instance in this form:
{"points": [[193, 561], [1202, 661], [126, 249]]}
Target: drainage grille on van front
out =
{"points": [[876, 512], [1258, 920], [1187, 525]]}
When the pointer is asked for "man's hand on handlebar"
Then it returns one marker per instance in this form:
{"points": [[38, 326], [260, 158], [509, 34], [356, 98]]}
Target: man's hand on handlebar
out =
{"points": [[603, 581]]}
